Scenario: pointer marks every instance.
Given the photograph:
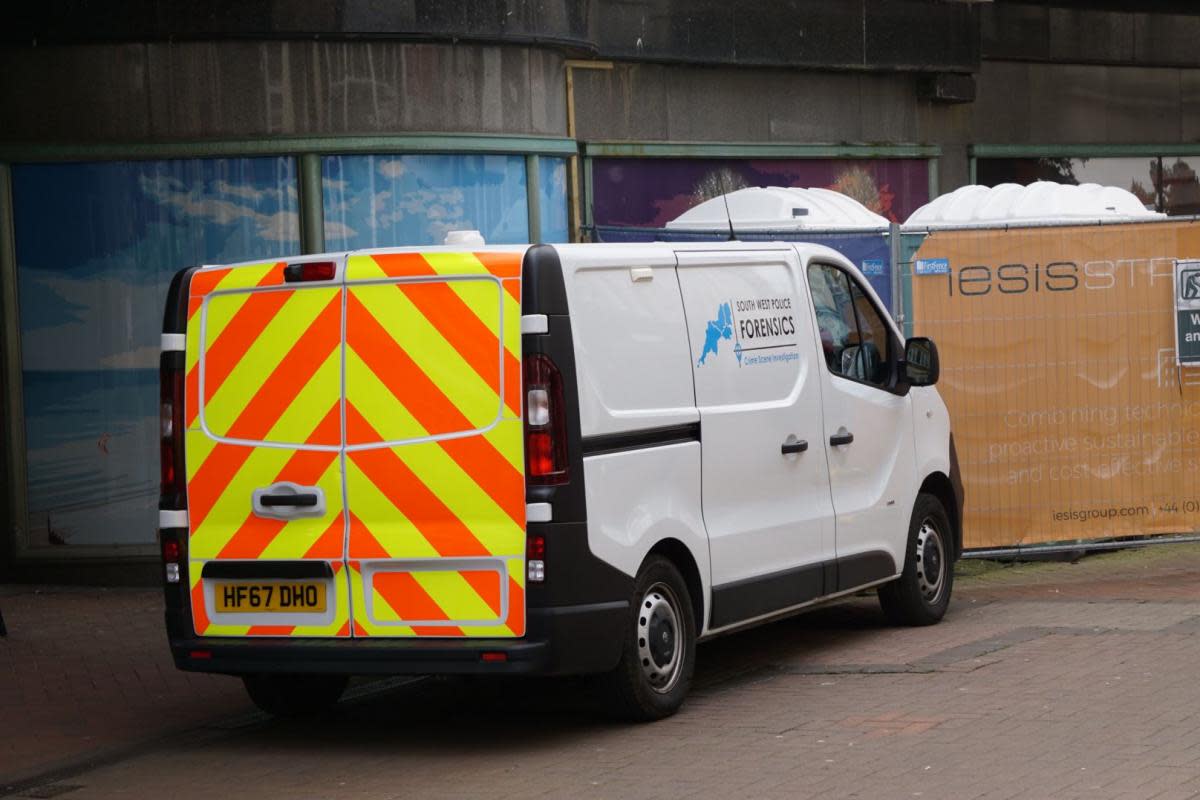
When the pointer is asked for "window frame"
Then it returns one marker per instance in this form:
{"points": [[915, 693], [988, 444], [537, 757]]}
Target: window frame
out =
{"points": [[894, 361]]}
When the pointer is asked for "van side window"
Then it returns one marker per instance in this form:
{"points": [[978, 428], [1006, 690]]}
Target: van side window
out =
{"points": [[853, 336]]}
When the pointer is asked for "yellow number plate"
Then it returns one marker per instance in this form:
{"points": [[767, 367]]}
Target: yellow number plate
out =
{"points": [[289, 597]]}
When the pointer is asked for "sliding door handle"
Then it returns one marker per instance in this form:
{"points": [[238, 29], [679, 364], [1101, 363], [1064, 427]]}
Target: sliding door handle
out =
{"points": [[286, 500], [304, 500], [841, 437], [793, 446]]}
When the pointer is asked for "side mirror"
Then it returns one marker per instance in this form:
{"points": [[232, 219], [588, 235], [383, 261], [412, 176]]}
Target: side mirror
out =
{"points": [[921, 364]]}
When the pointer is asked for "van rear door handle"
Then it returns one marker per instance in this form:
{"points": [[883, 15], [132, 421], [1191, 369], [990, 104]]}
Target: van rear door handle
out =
{"points": [[277, 500], [792, 446], [839, 439], [286, 500]]}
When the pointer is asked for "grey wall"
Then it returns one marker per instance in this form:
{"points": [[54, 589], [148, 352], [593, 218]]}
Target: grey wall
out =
{"points": [[198, 90]]}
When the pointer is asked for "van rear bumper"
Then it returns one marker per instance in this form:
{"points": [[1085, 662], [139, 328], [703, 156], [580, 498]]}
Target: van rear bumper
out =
{"points": [[563, 640]]}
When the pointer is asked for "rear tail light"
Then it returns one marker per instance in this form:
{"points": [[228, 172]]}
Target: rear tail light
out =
{"points": [[172, 553], [535, 557], [545, 422], [170, 433]]}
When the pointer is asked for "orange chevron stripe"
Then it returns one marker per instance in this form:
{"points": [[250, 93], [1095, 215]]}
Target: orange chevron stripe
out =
{"points": [[304, 467], [272, 399], [242, 331], [199, 612], [206, 280], [502, 265], [329, 544], [475, 342], [487, 585], [292, 374], [477, 457], [359, 630], [407, 597], [513, 287], [270, 630], [363, 543], [403, 265], [516, 607], [444, 531], [193, 306]]}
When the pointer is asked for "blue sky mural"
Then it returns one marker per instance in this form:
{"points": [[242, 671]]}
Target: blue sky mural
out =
{"points": [[382, 201], [97, 244]]}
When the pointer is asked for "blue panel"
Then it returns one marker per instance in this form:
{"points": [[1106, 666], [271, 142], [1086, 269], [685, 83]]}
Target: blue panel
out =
{"points": [[97, 245], [391, 201], [552, 194]]}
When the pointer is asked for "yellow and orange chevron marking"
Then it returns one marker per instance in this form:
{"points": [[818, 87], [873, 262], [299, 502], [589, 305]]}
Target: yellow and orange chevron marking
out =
{"points": [[272, 373], [432, 435], [434, 465]]}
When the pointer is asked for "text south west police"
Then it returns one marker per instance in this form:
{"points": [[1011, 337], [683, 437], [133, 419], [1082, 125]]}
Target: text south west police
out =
{"points": [[767, 324]]}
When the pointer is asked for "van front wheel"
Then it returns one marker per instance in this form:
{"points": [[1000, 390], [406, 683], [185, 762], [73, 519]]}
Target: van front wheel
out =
{"points": [[922, 593], [294, 695], [659, 653]]}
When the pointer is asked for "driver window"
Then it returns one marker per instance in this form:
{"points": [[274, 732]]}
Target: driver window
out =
{"points": [[853, 336]]}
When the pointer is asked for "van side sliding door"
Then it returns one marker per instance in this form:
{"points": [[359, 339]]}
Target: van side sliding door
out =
{"points": [[766, 498]]}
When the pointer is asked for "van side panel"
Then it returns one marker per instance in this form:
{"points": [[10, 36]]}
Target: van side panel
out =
{"points": [[637, 411]]}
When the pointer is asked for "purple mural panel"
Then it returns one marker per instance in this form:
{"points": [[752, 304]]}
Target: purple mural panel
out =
{"points": [[651, 192]]}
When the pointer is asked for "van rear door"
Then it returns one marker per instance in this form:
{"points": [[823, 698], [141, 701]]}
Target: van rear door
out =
{"points": [[263, 449], [435, 475]]}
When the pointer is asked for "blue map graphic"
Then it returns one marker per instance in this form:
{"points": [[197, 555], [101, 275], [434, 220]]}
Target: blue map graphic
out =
{"points": [[716, 330]]}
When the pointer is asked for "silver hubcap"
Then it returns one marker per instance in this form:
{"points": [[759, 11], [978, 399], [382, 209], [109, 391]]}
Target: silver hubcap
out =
{"points": [[660, 643], [931, 562]]}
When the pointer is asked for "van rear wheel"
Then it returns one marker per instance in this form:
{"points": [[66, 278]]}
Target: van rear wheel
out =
{"points": [[659, 653], [922, 593], [295, 695]]}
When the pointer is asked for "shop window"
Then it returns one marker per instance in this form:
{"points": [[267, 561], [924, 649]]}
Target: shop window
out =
{"points": [[393, 201], [96, 247], [553, 199]]}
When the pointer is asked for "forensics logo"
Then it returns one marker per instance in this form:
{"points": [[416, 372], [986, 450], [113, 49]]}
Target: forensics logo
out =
{"points": [[762, 331]]}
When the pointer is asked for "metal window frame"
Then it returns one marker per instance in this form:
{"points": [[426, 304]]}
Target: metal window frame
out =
{"points": [[307, 151]]}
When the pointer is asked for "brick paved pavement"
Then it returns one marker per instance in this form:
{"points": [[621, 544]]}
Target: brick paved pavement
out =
{"points": [[1044, 681]]}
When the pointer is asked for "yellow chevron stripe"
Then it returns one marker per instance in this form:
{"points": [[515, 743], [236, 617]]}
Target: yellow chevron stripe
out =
{"points": [[394, 531], [294, 540], [484, 307], [437, 470], [450, 590], [296, 423], [245, 277], [389, 417], [509, 440], [263, 356], [231, 508], [197, 447], [363, 268], [435, 356]]}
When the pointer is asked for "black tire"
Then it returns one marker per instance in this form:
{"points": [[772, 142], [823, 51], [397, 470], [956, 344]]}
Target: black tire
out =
{"points": [[634, 694], [295, 695], [916, 598]]}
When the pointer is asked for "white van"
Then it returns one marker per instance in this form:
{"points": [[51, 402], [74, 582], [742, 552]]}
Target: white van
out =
{"points": [[568, 459]]}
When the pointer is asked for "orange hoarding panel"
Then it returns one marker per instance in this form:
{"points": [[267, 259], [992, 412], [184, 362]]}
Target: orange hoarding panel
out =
{"points": [[1071, 418]]}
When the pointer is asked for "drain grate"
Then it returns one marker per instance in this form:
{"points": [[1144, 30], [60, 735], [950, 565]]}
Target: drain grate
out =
{"points": [[48, 790]]}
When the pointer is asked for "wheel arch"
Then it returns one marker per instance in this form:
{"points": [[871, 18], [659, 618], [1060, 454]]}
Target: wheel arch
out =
{"points": [[940, 486], [678, 554]]}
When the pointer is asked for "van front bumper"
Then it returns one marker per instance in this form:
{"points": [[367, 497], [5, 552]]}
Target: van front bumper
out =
{"points": [[563, 640]]}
